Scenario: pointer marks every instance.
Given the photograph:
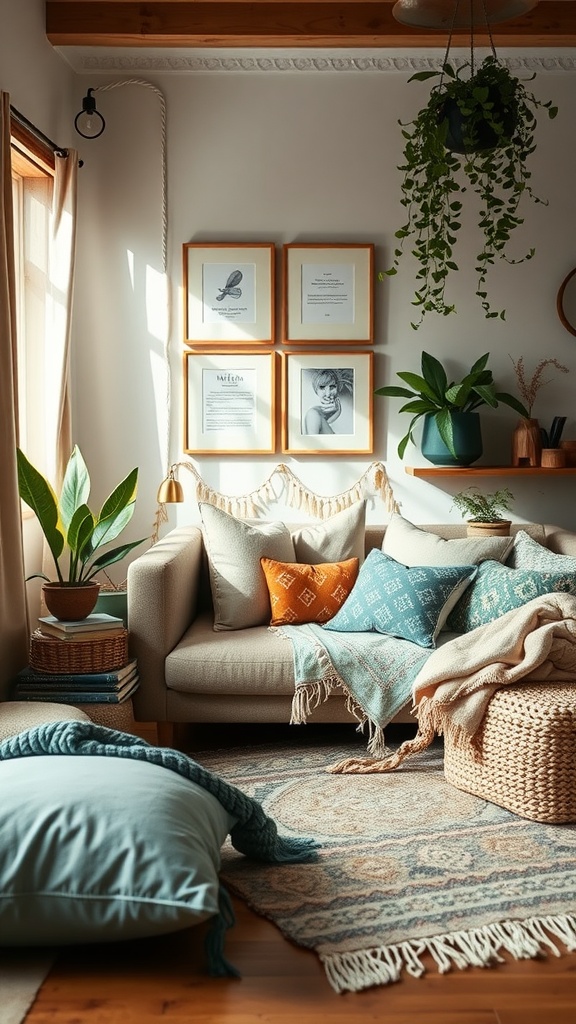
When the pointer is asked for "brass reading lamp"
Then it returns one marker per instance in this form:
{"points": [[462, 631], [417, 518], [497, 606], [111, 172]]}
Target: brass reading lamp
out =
{"points": [[170, 490]]}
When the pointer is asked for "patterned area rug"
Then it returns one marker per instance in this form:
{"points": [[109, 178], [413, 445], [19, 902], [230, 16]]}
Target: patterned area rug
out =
{"points": [[411, 870]]}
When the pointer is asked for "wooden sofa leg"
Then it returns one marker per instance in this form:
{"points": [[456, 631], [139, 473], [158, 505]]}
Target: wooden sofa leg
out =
{"points": [[166, 732]]}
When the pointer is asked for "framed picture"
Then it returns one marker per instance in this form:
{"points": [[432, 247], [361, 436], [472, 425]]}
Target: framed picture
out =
{"points": [[328, 293], [228, 293], [229, 403], [327, 403]]}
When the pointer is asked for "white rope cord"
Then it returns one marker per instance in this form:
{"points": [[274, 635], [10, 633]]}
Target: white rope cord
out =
{"points": [[164, 247]]}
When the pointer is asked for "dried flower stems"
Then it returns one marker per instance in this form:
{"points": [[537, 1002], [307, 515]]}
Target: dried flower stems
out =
{"points": [[529, 388]]}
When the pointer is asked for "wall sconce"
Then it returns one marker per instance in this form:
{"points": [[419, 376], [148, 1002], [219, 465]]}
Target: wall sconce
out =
{"points": [[170, 490], [89, 123]]}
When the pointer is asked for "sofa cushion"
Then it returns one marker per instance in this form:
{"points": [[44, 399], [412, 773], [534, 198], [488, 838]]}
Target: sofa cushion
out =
{"points": [[307, 593], [407, 602], [498, 589], [107, 848], [335, 539], [412, 545], [528, 554], [250, 662], [237, 581]]}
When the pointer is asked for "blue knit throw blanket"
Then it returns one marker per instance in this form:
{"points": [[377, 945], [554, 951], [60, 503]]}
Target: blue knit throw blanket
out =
{"points": [[254, 834]]}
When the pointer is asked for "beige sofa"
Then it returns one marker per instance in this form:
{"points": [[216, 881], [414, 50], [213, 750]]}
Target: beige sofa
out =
{"points": [[189, 673]]}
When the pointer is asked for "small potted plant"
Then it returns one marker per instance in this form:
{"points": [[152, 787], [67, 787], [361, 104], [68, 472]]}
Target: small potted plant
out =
{"points": [[483, 512], [452, 434], [475, 134], [71, 529]]}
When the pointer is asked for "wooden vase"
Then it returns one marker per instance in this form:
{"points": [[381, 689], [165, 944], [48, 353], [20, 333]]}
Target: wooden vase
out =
{"points": [[526, 443]]}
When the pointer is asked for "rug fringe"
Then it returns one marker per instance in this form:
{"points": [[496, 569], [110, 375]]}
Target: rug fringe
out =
{"points": [[479, 947]]}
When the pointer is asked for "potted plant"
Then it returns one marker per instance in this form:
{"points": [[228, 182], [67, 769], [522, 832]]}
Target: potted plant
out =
{"points": [[475, 134], [452, 434], [72, 530], [484, 511]]}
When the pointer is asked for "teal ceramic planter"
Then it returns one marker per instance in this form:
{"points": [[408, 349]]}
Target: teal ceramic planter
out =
{"points": [[113, 602], [467, 440]]}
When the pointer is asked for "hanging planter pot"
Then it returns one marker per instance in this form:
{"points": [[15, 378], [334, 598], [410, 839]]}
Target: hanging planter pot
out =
{"points": [[467, 134]]}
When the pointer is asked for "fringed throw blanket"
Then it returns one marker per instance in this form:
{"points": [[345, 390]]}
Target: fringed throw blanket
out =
{"points": [[255, 834], [373, 671], [534, 643]]}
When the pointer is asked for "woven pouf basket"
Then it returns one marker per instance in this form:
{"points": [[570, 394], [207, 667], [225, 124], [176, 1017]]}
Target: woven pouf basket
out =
{"points": [[526, 756]]}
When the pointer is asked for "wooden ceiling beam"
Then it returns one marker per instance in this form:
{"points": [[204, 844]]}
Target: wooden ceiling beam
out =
{"points": [[279, 23]]}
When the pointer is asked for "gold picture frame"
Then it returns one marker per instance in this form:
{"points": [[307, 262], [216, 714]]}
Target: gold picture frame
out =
{"points": [[327, 403], [229, 293], [328, 293], [229, 402]]}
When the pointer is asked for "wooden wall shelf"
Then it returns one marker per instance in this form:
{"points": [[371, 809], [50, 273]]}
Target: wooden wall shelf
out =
{"points": [[432, 471]]}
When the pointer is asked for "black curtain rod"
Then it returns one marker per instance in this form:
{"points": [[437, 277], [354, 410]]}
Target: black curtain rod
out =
{"points": [[58, 150]]}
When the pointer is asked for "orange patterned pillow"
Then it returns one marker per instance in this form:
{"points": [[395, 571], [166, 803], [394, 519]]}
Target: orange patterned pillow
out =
{"points": [[307, 593]]}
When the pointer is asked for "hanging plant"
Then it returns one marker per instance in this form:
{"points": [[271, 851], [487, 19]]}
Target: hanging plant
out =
{"points": [[476, 132]]}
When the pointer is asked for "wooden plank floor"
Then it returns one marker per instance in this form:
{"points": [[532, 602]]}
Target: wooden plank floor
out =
{"points": [[157, 980], [164, 980]]}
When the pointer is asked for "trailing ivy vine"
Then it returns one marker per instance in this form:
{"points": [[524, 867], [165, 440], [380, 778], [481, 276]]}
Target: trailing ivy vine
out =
{"points": [[475, 132]]}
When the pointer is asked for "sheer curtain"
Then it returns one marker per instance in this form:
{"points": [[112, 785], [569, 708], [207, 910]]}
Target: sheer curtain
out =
{"points": [[13, 612], [34, 374]]}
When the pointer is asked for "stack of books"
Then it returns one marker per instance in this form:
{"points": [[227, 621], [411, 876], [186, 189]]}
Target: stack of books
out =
{"points": [[81, 688], [91, 687], [98, 625]]}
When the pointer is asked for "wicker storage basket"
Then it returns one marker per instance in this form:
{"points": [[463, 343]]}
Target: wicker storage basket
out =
{"points": [[527, 753], [49, 654]]}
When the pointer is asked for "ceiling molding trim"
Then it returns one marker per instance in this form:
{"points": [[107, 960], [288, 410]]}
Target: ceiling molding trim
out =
{"points": [[170, 62]]}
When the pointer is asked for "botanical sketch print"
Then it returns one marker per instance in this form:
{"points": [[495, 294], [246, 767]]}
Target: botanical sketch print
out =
{"points": [[229, 292], [327, 400]]}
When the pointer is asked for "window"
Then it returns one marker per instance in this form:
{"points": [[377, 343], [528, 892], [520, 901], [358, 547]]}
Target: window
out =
{"points": [[32, 192]]}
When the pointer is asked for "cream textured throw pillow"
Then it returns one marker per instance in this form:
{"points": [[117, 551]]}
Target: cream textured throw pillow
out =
{"points": [[334, 539], [412, 546], [234, 549]]}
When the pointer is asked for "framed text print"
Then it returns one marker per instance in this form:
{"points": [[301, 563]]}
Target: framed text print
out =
{"points": [[229, 403], [228, 293], [327, 403], [328, 293]]}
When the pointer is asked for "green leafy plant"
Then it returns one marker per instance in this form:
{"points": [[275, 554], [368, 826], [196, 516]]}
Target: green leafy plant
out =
{"points": [[433, 394], [68, 524], [488, 151], [483, 508]]}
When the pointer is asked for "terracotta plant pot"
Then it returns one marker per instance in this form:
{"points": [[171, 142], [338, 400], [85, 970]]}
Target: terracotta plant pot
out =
{"points": [[69, 601], [499, 528]]}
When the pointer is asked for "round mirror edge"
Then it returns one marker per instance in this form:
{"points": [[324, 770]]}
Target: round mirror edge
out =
{"points": [[560, 303]]}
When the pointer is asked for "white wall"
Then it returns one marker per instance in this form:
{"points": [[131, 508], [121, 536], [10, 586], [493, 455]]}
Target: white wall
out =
{"points": [[285, 157]]}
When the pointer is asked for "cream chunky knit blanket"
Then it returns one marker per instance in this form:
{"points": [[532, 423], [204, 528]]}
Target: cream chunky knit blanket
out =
{"points": [[534, 643]]}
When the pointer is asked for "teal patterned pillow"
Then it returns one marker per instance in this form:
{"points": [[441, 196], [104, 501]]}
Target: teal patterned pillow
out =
{"points": [[529, 554], [410, 603], [498, 589]]}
